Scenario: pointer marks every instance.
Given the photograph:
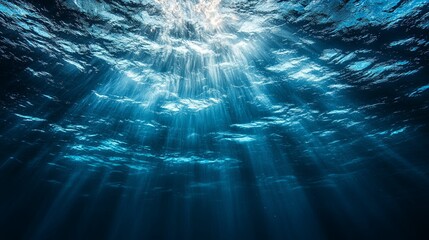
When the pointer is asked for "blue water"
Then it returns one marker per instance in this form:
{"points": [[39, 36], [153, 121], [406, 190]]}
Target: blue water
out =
{"points": [[214, 119]]}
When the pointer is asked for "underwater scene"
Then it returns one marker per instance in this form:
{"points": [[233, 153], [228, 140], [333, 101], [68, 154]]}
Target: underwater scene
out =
{"points": [[214, 119]]}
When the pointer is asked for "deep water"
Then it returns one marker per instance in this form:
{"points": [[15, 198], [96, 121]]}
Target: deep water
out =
{"points": [[214, 119]]}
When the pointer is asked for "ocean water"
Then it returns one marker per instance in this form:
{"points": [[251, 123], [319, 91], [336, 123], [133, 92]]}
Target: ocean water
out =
{"points": [[214, 119]]}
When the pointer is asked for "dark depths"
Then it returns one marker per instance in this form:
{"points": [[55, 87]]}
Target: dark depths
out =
{"points": [[199, 119]]}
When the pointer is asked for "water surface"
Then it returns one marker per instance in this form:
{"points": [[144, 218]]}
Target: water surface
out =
{"points": [[199, 119]]}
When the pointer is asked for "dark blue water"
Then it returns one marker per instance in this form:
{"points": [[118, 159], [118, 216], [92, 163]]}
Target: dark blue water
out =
{"points": [[199, 119]]}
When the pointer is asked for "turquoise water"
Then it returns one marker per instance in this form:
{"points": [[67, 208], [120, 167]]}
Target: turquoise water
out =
{"points": [[186, 119]]}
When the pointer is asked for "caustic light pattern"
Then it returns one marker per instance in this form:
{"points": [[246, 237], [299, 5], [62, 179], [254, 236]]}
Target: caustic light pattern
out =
{"points": [[214, 119]]}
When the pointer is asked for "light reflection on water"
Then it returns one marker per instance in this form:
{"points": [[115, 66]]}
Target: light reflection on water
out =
{"points": [[214, 119]]}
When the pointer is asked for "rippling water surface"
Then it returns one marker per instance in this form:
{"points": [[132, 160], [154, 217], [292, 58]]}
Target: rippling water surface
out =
{"points": [[214, 119]]}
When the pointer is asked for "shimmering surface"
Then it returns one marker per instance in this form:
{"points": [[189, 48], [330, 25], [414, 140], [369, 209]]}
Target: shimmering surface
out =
{"points": [[198, 119]]}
